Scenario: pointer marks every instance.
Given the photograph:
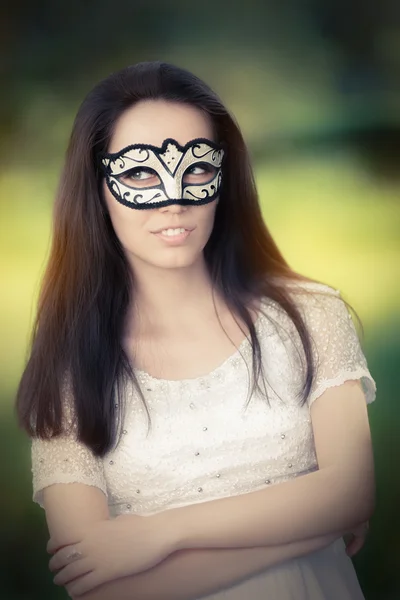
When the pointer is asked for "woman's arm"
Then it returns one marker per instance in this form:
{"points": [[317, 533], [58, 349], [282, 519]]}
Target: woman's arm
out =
{"points": [[70, 509], [335, 498], [192, 574], [184, 575]]}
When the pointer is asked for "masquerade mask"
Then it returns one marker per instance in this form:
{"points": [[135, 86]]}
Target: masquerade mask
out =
{"points": [[144, 176]]}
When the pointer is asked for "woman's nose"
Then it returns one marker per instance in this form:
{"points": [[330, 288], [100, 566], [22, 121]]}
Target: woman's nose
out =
{"points": [[173, 208]]}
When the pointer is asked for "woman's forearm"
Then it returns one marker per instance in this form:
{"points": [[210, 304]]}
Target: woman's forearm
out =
{"points": [[319, 503], [192, 574]]}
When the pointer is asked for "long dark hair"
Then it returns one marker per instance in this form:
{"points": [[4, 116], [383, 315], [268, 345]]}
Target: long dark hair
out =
{"points": [[87, 286]]}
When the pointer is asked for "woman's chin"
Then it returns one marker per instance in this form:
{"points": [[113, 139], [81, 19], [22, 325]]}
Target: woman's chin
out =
{"points": [[175, 260]]}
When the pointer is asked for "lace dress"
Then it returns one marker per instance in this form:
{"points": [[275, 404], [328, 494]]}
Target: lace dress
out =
{"points": [[205, 444]]}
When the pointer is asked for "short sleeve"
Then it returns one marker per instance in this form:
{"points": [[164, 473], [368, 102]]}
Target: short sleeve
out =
{"points": [[337, 351], [64, 459]]}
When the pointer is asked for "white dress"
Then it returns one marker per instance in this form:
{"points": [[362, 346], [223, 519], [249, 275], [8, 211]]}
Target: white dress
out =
{"points": [[205, 445]]}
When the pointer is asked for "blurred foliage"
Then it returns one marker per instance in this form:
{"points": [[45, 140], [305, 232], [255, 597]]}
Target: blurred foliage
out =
{"points": [[315, 88]]}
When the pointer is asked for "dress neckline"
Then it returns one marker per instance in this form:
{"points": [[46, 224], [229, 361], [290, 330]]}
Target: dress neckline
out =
{"points": [[265, 325], [234, 360]]}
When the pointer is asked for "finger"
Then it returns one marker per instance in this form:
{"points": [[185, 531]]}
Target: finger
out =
{"points": [[53, 545], [73, 571], [85, 584], [64, 557], [355, 545], [58, 561]]}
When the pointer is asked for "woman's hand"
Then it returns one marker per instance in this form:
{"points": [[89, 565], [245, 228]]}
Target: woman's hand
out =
{"points": [[109, 549], [357, 540]]}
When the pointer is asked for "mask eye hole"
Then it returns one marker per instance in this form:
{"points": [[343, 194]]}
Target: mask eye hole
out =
{"points": [[140, 177], [199, 173]]}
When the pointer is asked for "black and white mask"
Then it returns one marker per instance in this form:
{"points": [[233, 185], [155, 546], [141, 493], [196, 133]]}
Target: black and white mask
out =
{"points": [[144, 176]]}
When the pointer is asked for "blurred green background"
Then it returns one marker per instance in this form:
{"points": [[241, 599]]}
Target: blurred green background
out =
{"points": [[315, 87]]}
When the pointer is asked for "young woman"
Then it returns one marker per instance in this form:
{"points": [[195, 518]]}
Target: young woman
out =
{"points": [[197, 409]]}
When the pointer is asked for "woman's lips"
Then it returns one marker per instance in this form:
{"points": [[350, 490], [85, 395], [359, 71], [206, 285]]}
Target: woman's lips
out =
{"points": [[175, 239]]}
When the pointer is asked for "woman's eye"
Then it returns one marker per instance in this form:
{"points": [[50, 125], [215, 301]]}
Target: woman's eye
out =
{"points": [[140, 177], [139, 174], [200, 173], [196, 170]]}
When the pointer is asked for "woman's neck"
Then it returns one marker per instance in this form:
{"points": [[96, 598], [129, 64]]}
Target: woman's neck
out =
{"points": [[164, 299]]}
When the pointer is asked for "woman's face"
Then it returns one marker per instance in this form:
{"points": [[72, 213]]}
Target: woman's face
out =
{"points": [[139, 230]]}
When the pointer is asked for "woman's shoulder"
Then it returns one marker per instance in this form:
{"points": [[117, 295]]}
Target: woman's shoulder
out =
{"points": [[306, 292], [307, 286], [315, 301]]}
